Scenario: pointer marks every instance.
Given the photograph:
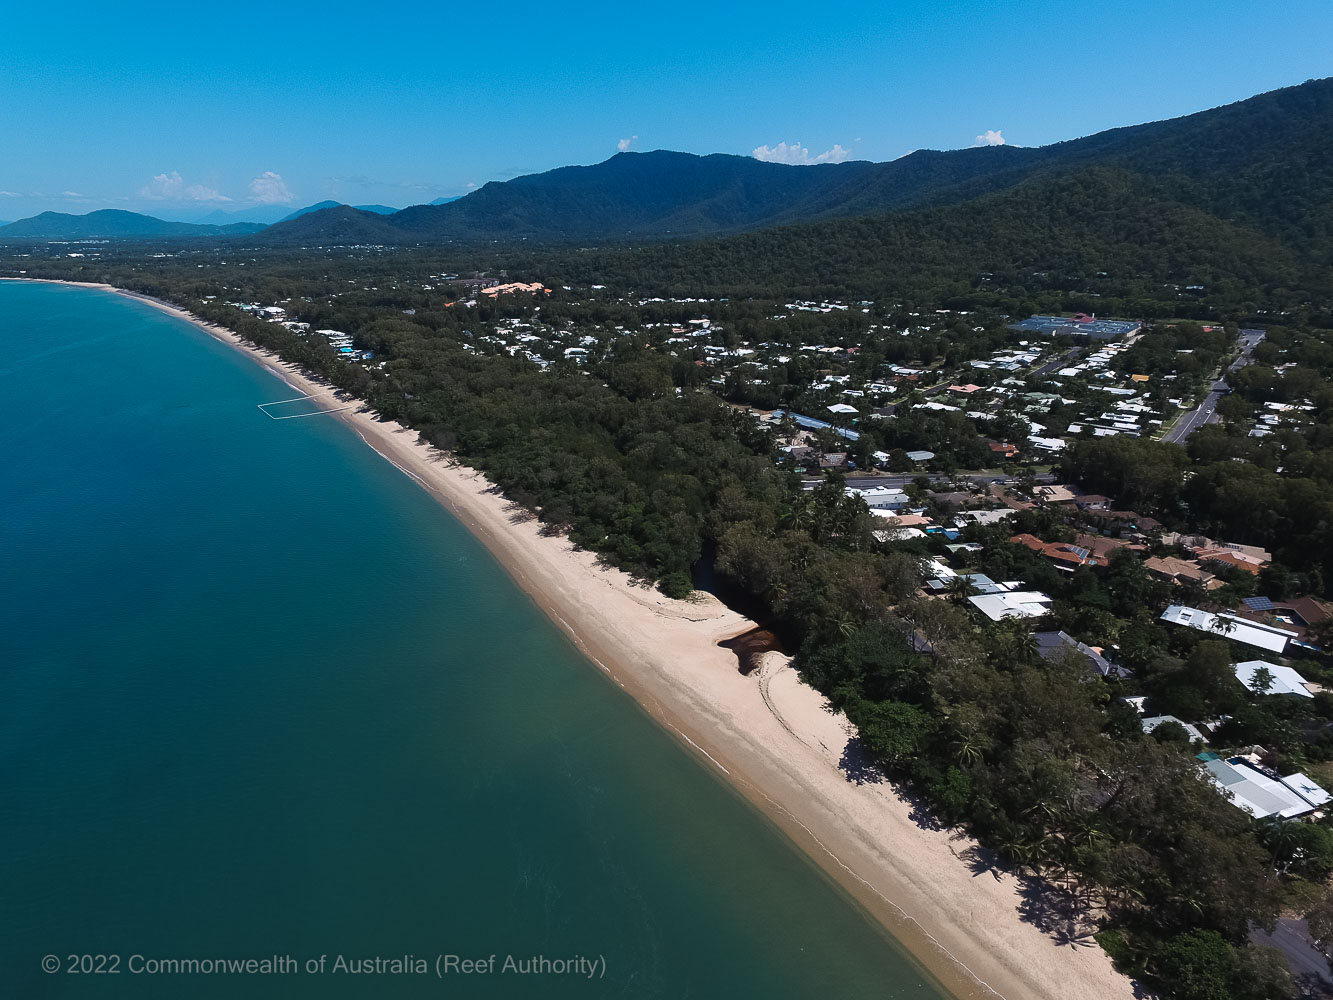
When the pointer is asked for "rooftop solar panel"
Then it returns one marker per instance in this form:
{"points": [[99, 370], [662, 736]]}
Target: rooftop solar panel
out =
{"points": [[1259, 604]]}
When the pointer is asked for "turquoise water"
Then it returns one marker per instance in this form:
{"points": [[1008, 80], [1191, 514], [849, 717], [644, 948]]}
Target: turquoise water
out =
{"points": [[260, 695]]}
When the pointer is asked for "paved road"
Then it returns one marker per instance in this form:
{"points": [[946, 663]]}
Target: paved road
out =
{"points": [[1196, 417], [1206, 411], [898, 481], [1292, 938], [1061, 362]]}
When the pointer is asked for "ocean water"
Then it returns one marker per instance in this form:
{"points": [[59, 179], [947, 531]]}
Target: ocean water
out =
{"points": [[261, 696]]}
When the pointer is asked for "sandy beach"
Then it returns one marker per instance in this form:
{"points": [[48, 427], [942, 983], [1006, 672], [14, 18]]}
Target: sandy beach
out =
{"points": [[767, 733]]}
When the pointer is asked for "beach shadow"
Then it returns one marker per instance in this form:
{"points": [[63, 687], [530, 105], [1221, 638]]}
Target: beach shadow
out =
{"points": [[518, 514], [919, 813], [858, 765], [981, 861], [1058, 912]]}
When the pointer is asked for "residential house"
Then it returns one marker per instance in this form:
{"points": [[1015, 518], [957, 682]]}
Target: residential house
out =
{"points": [[1065, 555], [1054, 645], [1283, 680], [1012, 604], [1152, 722], [1261, 793], [1175, 570], [1225, 626]]}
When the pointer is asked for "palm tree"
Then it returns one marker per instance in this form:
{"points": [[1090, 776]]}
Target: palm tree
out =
{"points": [[1023, 643], [967, 749], [960, 588]]}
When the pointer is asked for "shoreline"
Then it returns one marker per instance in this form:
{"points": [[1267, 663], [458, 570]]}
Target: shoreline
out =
{"points": [[770, 736]]}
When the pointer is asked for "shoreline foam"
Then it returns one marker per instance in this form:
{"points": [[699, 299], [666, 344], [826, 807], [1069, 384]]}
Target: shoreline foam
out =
{"points": [[770, 736]]}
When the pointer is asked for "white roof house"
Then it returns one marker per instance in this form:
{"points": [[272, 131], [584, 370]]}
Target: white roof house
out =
{"points": [[1012, 604], [984, 517], [1224, 626], [880, 497], [1307, 789], [1262, 796], [1152, 722], [933, 569], [1285, 679]]}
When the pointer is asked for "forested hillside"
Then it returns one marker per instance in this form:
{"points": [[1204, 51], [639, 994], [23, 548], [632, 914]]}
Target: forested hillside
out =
{"points": [[1262, 162]]}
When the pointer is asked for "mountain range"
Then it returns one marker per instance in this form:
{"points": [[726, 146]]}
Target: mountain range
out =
{"points": [[1263, 160], [1261, 163], [111, 223], [117, 224]]}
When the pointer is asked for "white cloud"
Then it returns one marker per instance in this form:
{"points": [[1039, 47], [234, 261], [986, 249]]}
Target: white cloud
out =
{"points": [[991, 137], [10, 194], [73, 194], [164, 187], [270, 189], [797, 154], [624, 144], [172, 187]]}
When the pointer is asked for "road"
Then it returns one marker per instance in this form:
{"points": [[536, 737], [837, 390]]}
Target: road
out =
{"points": [[899, 481], [1064, 361], [1206, 411], [1196, 417]]}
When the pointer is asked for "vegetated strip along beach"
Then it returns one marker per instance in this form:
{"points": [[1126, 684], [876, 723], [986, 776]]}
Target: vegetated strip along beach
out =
{"points": [[770, 735]]}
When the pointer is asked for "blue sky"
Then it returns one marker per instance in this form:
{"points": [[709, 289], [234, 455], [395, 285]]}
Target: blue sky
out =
{"points": [[180, 110]]}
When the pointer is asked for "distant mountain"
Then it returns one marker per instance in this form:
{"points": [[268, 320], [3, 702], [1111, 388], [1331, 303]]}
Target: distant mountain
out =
{"points": [[263, 214], [340, 224], [112, 223], [318, 206], [445, 201], [321, 206], [1263, 160]]}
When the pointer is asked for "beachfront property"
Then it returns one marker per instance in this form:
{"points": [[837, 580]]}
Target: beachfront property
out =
{"points": [[1152, 722], [1263, 794], [1225, 626], [1054, 646]]}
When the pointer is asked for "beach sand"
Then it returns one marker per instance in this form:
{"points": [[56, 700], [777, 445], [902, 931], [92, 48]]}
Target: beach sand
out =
{"points": [[769, 734]]}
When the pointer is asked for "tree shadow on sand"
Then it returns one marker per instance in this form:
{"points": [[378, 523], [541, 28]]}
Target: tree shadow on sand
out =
{"points": [[857, 764], [983, 861], [1058, 911]]}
